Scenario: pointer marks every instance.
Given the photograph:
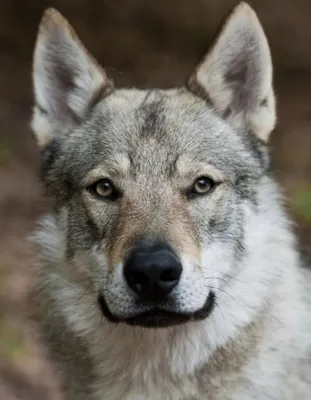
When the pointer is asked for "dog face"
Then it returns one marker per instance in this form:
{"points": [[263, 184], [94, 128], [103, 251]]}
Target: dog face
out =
{"points": [[152, 188]]}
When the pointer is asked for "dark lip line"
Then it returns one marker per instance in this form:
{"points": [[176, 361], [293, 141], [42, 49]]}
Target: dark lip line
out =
{"points": [[157, 317]]}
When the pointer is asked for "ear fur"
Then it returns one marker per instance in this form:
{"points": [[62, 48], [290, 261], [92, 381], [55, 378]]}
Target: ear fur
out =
{"points": [[236, 74], [67, 80]]}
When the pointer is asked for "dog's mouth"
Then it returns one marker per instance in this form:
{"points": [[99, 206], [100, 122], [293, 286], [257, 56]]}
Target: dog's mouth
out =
{"points": [[157, 317]]}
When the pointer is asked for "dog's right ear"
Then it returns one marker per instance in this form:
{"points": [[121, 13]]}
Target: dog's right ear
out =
{"points": [[236, 75], [67, 79]]}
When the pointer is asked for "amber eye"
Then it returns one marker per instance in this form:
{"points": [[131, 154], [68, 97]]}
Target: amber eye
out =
{"points": [[202, 185], [105, 188]]}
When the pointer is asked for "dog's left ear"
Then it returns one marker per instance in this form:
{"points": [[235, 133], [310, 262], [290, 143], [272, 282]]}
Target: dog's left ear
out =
{"points": [[236, 75], [67, 79]]}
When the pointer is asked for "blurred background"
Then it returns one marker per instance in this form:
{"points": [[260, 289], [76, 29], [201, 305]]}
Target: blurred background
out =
{"points": [[141, 43]]}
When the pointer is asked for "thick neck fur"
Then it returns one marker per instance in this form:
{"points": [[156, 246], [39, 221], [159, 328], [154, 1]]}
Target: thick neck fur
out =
{"points": [[188, 361]]}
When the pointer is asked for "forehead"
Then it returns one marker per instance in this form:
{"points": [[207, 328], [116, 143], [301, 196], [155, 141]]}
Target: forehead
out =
{"points": [[153, 131]]}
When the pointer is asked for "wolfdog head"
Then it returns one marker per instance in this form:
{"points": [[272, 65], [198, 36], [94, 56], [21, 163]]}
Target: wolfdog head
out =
{"points": [[153, 189]]}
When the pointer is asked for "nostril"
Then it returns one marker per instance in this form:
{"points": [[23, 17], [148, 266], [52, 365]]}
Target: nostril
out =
{"points": [[170, 275], [140, 278]]}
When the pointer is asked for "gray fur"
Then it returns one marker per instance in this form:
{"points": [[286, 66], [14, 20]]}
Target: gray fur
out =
{"points": [[235, 242]]}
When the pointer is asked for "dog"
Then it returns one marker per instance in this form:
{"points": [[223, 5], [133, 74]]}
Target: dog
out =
{"points": [[168, 266]]}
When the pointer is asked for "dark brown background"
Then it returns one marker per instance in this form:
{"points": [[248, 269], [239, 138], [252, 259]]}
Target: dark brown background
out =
{"points": [[143, 43]]}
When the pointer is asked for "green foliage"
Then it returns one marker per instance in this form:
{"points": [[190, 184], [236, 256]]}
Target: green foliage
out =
{"points": [[302, 202], [5, 152], [11, 343]]}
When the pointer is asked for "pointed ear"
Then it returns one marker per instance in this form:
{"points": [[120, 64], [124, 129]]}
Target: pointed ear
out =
{"points": [[67, 80], [236, 75]]}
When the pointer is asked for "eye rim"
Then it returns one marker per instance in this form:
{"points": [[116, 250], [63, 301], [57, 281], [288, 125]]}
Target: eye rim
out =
{"points": [[192, 192], [113, 196]]}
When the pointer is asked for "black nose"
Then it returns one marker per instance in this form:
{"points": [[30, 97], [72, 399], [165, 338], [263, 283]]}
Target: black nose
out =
{"points": [[152, 271]]}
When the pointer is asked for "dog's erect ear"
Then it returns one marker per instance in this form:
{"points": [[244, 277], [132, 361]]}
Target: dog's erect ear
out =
{"points": [[67, 79], [236, 75]]}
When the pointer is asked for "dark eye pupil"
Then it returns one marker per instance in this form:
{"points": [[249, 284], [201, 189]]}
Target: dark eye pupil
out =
{"points": [[105, 186], [203, 183]]}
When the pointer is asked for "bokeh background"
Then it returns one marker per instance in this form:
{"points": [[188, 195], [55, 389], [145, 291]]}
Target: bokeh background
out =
{"points": [[141, 43]]}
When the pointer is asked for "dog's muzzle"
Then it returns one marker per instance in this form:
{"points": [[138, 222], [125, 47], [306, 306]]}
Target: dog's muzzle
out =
{"points": [[157, 317], [152, 272]]}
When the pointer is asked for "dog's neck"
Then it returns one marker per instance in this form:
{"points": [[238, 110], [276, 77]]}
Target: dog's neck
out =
{"points": [[136, 354]]}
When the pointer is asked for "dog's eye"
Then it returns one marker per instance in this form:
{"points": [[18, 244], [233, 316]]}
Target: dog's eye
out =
{"points": [[105, 188], [201, 185]]}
